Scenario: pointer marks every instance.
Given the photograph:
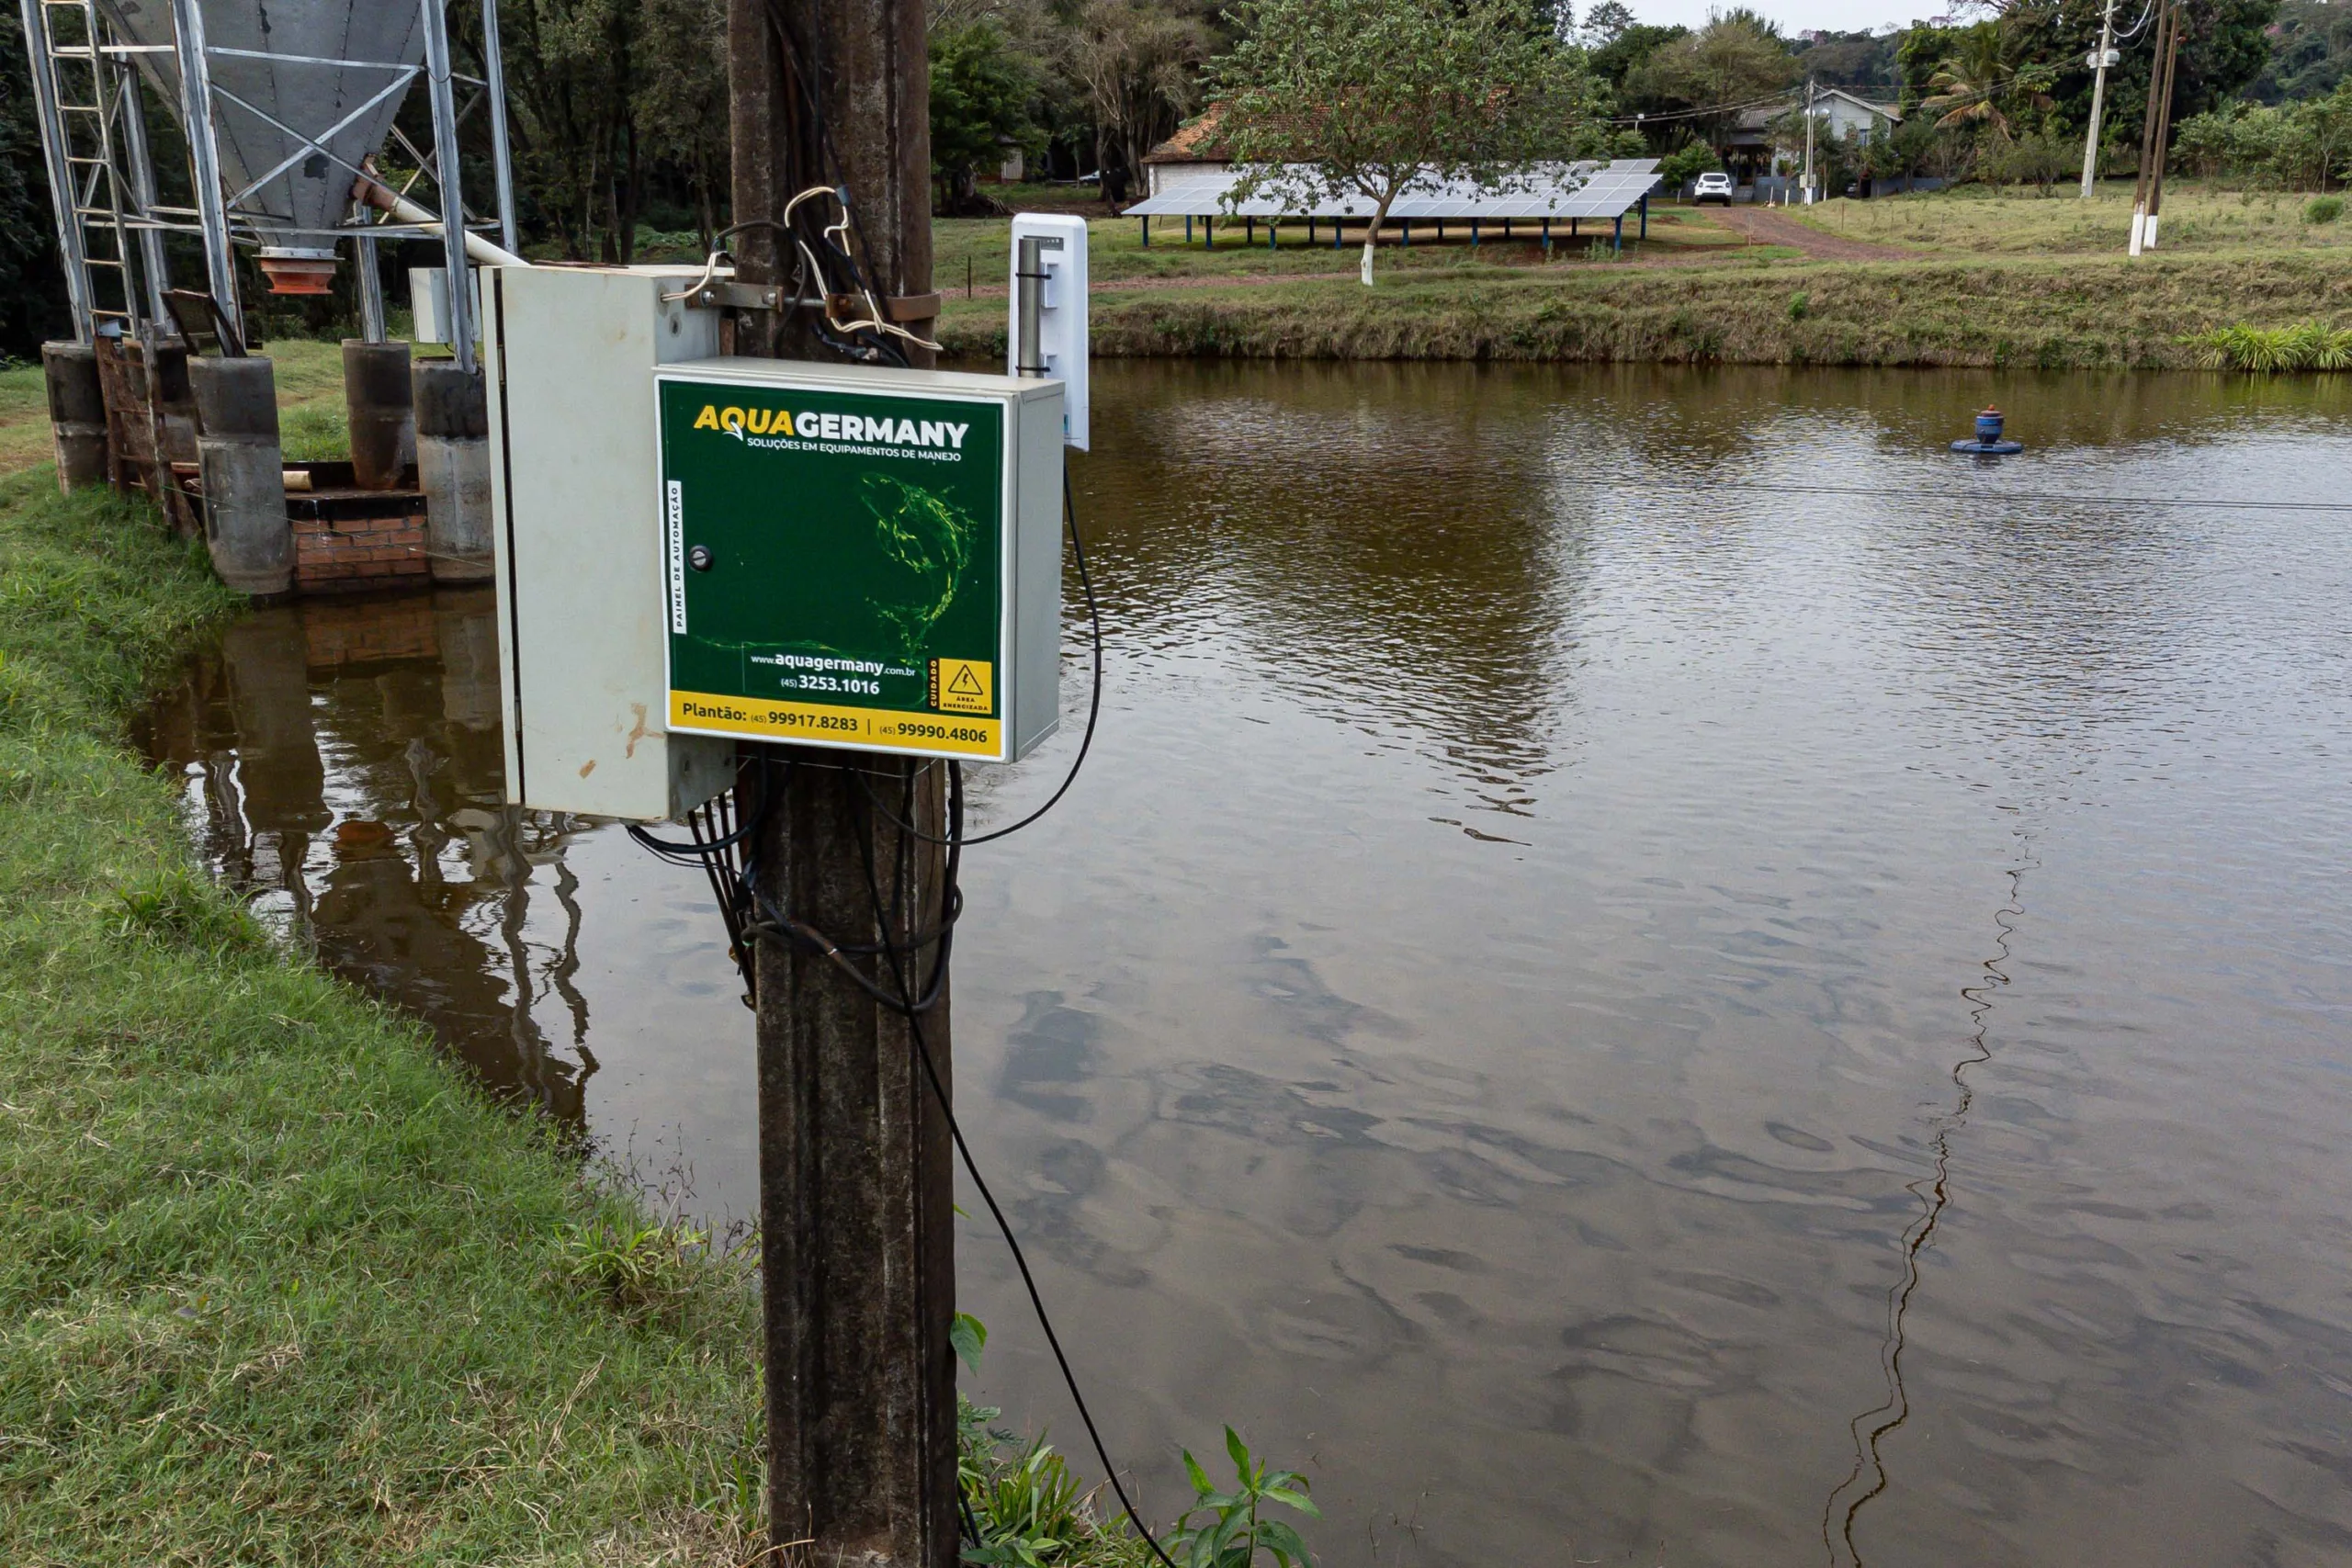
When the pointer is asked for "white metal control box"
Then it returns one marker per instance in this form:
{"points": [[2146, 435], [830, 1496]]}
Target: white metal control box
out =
{"points": [[569, 356], [1045, 327]]}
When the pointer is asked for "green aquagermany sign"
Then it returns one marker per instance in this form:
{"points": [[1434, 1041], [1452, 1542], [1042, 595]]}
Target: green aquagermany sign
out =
{"points": [[838, 564]]}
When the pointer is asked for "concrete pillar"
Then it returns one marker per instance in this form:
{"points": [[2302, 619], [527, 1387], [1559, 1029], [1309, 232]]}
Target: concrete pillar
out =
{"points": [[245, 476], [453, 467], [77, 414], [383, 413]]}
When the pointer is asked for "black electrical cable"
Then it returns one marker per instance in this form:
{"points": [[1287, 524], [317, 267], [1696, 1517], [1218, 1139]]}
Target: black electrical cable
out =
{"points": [[996, 1210], [806, 77]]}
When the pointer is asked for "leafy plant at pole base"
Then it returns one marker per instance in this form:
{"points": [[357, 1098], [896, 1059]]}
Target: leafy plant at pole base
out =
{"points": [[1234, 1531], [1030, 1511]]}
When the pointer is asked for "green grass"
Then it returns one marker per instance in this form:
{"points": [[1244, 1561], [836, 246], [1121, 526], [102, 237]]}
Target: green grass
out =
{"points": [[2055, 314], [979, 248], [1977, 221], [276, 1285], [316, 432], [308, 374]]}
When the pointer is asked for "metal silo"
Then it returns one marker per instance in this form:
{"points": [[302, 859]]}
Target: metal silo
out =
{"points": [[285, 102]]}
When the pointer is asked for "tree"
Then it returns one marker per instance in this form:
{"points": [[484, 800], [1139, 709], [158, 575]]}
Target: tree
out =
{"points": [[1605, 24], [1616, 63], [1735, 59], [1861, 63], [2310, 52], [1330, 100], [32, 281], [981, 93], [1678, 168], [572, 81], [1140, 64], [1982, 83], [681, 100]]}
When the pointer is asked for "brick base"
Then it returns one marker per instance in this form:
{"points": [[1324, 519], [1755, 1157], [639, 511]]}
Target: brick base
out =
{"points": [[359, 553]]}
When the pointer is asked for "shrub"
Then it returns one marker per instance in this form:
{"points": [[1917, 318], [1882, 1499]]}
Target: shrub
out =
{"points": [[649, 1271], [179, 907], [2272, 349], [2324, 210], [1800, 305]]}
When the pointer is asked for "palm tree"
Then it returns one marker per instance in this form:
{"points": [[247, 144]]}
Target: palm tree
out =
{"points": [[1970, 85]]}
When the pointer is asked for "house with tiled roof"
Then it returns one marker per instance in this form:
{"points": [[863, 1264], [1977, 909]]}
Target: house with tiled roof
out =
{"points": [[1193, 149]]}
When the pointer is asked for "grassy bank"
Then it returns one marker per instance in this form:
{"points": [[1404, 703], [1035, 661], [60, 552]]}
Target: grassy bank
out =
{"points": [[275, 1284], [2086, 313], [2199, 218]]}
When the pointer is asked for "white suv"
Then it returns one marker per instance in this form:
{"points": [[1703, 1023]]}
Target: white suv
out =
{"points": [[1711, 187]]}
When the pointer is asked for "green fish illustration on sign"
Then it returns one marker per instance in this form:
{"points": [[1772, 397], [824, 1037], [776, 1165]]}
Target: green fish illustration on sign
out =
{"points": [[930, 540]]}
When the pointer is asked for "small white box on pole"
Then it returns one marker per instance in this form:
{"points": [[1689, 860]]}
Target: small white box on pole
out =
{"points": [[1045, 319], [428, 301]]}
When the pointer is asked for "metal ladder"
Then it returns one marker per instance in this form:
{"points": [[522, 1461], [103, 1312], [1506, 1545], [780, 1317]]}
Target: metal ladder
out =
{"points": [[82, 91]]}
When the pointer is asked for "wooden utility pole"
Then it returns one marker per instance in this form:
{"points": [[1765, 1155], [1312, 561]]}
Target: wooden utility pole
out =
{"points": [[856, 1187], [2148, 196]]}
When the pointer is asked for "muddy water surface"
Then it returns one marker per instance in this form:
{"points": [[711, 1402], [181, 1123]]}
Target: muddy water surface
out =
{"points": [[1647, 967]]}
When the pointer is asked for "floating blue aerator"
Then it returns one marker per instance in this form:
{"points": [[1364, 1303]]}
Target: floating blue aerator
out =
{"points": [[1988, 442]]}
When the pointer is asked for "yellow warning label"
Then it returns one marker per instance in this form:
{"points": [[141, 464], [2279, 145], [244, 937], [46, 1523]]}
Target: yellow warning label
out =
{"points": [[963, 685]]}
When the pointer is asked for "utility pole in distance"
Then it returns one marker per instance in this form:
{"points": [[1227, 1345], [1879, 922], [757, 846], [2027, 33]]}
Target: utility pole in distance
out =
{"points": [[2099, 62], [856, 1187], [2148, 194], [1808, 141]]}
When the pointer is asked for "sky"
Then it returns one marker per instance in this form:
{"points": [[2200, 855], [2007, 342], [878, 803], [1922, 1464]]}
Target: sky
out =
{"points": [[1795, 16]]}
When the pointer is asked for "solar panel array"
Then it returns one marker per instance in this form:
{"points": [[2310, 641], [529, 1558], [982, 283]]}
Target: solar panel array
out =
{"points": [[1546, 190]]}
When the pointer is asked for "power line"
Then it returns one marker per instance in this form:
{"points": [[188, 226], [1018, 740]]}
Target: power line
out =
{"points": [[2225, 503]]}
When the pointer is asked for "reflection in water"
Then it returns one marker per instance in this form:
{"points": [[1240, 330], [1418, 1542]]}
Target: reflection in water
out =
{"points": [[378, 718], [1870, 1478], [1486, 1023]]}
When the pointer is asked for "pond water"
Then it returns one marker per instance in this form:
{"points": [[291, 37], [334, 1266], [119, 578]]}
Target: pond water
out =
{"points": [[1647, 967]]}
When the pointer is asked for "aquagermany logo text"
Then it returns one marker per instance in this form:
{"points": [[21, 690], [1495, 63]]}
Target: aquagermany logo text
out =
{"points": [[846, 429]]}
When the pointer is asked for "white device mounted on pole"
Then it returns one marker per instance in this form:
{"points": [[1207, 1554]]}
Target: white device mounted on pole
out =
{"points": [[1046, 325]]}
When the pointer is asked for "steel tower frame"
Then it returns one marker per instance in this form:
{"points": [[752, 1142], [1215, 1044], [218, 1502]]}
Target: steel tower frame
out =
{"points": [[110, 225]]}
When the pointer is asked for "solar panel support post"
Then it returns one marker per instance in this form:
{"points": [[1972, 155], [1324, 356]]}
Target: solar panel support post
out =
{"points": [[1547, 234], [1646, 215], [1572, 226], [1271, 223], [1617, 240], [1248, 231], [1208, 234], [1146, 234], [1474, 233], [1188, 228], [1335, 233], [1404, 227]]}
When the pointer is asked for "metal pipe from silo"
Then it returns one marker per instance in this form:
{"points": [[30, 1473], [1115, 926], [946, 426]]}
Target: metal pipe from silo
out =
{"points": [[77, 414], [245, 525], [453, 467], [383, 408]]}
